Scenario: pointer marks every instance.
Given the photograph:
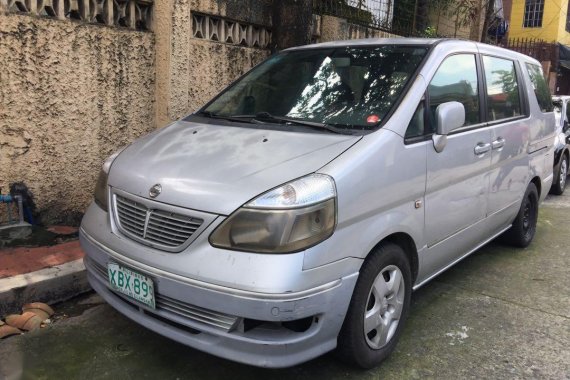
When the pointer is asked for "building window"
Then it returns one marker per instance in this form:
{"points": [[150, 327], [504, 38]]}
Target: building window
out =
{"points": [[533, 11]]}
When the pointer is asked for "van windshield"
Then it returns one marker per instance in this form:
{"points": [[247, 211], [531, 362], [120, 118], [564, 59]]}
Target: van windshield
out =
{"points": [[348, 87]]}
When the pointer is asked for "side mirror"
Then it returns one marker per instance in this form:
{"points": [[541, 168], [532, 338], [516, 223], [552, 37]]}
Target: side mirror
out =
{"points": [[448, 116]]}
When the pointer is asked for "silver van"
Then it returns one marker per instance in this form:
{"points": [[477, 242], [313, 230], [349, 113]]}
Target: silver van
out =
{"points": [[296, 212]]}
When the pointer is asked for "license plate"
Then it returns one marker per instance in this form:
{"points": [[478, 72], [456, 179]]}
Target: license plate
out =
{"points": [[131, 284]]}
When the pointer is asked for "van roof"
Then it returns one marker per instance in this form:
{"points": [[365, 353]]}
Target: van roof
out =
{"points": [[407, 41], [372, 41]]}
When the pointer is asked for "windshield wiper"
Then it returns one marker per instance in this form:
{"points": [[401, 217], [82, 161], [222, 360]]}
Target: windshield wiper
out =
{"points": [[267, 117], [211, 115]]}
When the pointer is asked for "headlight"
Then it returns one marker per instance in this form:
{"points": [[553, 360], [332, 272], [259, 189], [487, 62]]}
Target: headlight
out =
{"points": [[101, 193], [287, 219]]}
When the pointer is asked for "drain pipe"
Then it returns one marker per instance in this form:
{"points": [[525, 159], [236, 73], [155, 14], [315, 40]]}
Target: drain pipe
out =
{"points": [[8, 199], [20, 208]]}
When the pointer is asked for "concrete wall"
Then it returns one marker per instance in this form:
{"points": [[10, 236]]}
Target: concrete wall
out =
{"points": [[70, 94], [198, 68], [563, 34], [447, 21]]}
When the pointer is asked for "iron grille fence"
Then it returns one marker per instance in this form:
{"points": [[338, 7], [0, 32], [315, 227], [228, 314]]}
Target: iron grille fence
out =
{"points": [[406, 18], [538, 49], [372, 13]]}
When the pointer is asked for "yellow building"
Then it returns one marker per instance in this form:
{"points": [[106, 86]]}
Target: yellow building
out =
{"points": [[546, 20]]}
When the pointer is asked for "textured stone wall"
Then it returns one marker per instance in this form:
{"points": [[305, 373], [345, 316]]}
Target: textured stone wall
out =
{"points": [[70, 94], [198, 68]]}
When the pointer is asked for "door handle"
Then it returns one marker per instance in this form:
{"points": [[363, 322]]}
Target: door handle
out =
{"points": [[482, 148], [498, 143]]}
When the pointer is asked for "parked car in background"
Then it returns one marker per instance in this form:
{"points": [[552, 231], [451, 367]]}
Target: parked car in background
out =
{"points": [[296, 212], [561, 143]]}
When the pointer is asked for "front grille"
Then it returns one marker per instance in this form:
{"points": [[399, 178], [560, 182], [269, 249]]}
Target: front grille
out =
{"points": [[171, 306], [195, 313], [132, 215], [154, 225]]}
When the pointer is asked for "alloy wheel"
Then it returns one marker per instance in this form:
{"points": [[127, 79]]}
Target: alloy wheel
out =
{"points": [[563, 173], [529, 217], [384, 307]]}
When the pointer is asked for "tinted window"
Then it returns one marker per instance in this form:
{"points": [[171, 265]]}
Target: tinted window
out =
{"points": [[456, 80], [346, 86], [416, 126], [540, 87], [503, 100]]}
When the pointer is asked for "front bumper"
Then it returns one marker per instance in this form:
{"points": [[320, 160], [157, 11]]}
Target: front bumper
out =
{"points": [[261, 329]]}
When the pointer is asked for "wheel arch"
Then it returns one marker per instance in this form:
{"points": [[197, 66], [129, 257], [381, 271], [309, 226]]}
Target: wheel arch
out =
{"points": [[559, 154], [407, 243], [538, 183]]}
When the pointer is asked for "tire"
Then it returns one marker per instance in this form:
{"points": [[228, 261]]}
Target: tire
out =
{"points": [[560, 178], [524, 226], [382, 293]]}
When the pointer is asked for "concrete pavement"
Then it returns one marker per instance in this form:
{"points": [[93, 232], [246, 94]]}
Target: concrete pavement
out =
{"points": [[47, 274], [501, 313]]}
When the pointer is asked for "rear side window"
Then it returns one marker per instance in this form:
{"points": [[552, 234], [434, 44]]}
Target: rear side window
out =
{"points": [[456, 80], [541, 90], [503, 99]]}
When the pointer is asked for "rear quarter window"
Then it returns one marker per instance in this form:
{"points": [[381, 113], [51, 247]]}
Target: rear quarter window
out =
{"points": [[541, 90]]}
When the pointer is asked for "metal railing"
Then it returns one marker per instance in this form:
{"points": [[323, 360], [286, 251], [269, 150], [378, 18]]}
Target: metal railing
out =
{"points": [[538, 49], [371, 13]]}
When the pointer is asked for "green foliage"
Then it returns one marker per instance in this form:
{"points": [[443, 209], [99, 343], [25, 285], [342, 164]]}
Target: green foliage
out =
{"points": [[506, 78], [430, 32]]}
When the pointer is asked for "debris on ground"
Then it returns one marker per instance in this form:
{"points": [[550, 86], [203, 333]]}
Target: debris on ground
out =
{"points": [[6, 331], [42, 310], [458, 336], [27, 321], [34, 315]]}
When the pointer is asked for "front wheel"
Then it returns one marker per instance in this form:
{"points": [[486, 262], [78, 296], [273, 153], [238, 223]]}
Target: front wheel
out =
{"points": [[378, 308], [560, 178], [524, 226]]}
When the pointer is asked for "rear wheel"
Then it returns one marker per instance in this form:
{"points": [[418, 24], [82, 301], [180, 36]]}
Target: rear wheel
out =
{"points": [[560, 178], [378, 309], [524, 226]]}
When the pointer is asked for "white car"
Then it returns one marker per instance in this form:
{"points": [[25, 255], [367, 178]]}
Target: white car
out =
{"points": [[561, 144]]}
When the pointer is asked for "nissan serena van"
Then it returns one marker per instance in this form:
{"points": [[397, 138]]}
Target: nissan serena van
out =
{"points": [[295, 212]]}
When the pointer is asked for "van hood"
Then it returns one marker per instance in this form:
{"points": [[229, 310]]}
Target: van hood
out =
{"points": [[216, 168]]}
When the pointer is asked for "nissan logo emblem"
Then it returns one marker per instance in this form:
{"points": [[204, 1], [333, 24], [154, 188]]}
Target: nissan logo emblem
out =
{"points": [[155, 191]]}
